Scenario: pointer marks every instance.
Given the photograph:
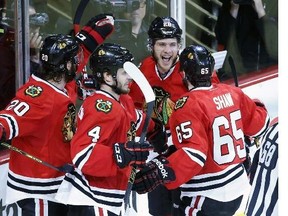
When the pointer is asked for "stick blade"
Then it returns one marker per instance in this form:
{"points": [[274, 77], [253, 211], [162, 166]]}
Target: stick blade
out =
{"points": [[219, 59], [135, 73]]}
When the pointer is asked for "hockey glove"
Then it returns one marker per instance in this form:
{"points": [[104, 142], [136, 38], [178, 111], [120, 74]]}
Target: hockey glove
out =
{"points": [[2, 133], [259, 103], [96, 31], [85, 86], [156, 172], [131, 153], [158, 137]]}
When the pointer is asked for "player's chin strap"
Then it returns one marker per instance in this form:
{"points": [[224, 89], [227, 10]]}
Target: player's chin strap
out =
{"points": [[149, 95], [76, 26]]}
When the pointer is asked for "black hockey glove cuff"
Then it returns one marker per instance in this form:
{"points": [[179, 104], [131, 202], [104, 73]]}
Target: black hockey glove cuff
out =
{"points": [[131, 153], [96, 31], [171, 149], [158, 137], [156, 172]]}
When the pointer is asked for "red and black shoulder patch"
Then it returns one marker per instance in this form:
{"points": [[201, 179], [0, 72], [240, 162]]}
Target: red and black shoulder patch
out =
{"points": [[180, 102], [33, 91], [103, 106]]}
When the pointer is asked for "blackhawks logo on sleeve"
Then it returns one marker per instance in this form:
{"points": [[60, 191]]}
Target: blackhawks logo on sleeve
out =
{"points": [[69, 123], [180, 102], [103, 106], [33, 91]]}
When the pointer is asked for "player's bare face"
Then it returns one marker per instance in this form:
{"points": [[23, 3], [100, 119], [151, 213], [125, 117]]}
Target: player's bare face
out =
{"points": [[123, 81], [165, 52]]}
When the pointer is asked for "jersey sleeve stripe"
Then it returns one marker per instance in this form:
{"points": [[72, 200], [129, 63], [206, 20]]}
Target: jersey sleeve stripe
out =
{"points": [[195, 155], [139, 116], [82, 157], [266, 125], [12, 124]]}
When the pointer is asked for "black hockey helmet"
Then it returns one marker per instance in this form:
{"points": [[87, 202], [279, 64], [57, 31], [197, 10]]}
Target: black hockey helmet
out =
{"points": [[198, 64], [56, 51], [108, 57], [164, 27]]}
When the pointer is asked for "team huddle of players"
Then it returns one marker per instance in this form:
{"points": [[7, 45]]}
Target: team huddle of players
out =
{"points": [[197, 130]]}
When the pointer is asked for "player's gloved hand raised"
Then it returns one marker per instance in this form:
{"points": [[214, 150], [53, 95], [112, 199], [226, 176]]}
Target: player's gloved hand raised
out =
{"points": [[158, 137], [86, 86], [156, 172], [96, 31], [2, 134], [131, 153]]}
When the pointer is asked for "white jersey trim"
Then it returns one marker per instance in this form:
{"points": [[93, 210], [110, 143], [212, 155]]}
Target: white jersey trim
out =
{"points": [[223, 186]]}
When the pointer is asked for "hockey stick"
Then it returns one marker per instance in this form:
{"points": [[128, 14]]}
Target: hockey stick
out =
{"points": [[147, 91], [66, 168], [233, 70], [149, 95], [76, 25], [219, 59], [78, 15]]}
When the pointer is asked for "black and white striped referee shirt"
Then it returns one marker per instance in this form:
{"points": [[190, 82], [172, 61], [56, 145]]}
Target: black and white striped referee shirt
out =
{"points": [[263, 198]]}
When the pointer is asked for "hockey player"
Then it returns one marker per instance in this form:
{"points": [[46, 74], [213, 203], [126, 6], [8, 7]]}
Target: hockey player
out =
{"points": [[40, 119], [103, 148], [162, 71], [161, 68], [263, 198], [207, 127]]}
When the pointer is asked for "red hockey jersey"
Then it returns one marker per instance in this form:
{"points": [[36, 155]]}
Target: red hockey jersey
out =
{"points": [[208, 127], [102, 121], [167, 90], [40, 119]]}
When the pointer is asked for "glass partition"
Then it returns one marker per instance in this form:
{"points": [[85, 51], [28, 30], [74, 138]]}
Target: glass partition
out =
{"points": [[249, 33], [132, 19], [7, 54]]}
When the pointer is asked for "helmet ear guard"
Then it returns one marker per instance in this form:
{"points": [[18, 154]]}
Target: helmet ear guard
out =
{"points": [[198, 64]]}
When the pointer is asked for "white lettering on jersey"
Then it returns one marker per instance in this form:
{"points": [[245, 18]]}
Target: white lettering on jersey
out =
{"points": [[223, 101]]}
